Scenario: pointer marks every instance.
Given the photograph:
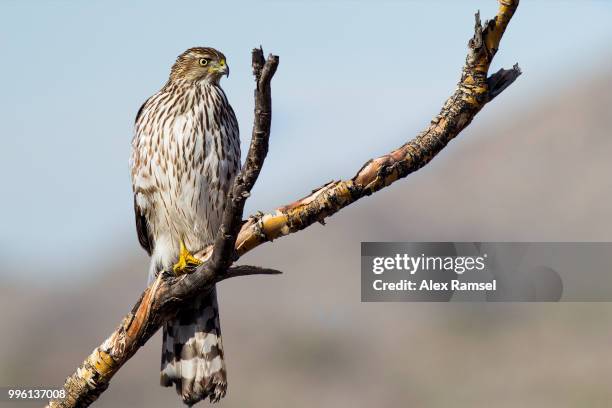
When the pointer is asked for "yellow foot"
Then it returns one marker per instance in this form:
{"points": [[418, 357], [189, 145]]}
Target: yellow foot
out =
{"points": [[186, 262]]}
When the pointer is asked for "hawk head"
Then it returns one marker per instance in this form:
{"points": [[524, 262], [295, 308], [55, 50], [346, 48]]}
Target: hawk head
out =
{"points": [[200, 64]]}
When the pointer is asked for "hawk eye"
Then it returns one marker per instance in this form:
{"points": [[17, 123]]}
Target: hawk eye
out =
{"points": [[203, 62]]}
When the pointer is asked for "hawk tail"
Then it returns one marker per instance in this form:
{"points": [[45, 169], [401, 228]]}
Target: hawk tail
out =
{"points": [[192, 352]]}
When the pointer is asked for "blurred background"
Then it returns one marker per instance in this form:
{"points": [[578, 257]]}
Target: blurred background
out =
{"points": [[356, 79]]}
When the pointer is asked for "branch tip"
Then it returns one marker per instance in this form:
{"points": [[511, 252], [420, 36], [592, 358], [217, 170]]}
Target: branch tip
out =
{"points": [[247, 270], [501, 80]]}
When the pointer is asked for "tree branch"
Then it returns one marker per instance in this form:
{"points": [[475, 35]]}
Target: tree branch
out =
{"points": [[473, 92], [161, 301]]}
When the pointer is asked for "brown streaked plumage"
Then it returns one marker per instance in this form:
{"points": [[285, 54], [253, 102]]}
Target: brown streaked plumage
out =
{"points": [[186, 152]]}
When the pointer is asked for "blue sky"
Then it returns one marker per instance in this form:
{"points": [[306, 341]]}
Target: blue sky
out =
{"points": [[356, 79]]}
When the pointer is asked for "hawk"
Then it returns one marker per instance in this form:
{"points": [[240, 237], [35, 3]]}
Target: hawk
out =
{"points": [[185, 154]]}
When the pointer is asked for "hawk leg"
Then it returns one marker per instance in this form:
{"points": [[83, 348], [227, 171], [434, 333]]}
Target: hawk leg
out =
{"points": [[186, 262]]}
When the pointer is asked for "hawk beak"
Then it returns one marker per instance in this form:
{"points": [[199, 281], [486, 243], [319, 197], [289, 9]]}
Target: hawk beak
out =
{"points": [[224, 68]]}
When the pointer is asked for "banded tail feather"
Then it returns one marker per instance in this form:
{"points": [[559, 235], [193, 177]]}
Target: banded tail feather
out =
{"points": [[192, 352]]}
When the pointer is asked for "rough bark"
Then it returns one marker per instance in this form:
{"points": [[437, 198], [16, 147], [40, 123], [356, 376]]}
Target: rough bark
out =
{"points": [[160, 301]]}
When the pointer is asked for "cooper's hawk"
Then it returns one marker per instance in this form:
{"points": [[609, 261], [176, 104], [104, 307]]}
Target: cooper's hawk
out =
{"points": [[186, 152]]}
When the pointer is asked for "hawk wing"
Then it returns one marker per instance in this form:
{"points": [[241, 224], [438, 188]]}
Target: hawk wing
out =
{"points": [[142, 228], [142, 225]]}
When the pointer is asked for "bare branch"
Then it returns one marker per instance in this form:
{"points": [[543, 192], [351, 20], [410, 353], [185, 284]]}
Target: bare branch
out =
{"points": [[246, 270], [160, 301], [502, 79], [473, 92]]}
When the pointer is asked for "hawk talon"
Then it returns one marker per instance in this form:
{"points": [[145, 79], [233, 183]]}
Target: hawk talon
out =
{"points": [[186, 262]]}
